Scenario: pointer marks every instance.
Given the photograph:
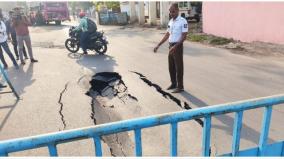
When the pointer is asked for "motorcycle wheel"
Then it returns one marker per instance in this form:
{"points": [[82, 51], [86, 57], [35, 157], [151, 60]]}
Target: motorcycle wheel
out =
{"points": [[101, 47], [71, 45]]}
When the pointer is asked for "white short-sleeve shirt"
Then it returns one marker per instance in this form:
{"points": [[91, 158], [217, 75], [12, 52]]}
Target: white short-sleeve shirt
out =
{"points": [[176, 28], [3, 33]]}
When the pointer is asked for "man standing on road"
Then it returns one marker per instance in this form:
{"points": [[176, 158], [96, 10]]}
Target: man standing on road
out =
{"points": [[20, 22], [4, 44], [176, 33], [12, 34]]}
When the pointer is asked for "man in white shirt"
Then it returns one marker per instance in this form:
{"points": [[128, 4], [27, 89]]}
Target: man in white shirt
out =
{"points": [[176, 33], [4, 45]]}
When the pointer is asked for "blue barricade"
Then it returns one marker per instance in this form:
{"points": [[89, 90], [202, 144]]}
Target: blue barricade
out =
{"points": [[206, 113]]}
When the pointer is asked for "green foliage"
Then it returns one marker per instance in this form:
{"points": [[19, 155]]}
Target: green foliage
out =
{"points": [[114, 5], [211, 39]]}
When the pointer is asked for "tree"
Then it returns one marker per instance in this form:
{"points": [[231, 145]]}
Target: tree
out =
{"points": [[114, 5], [84, 5]]}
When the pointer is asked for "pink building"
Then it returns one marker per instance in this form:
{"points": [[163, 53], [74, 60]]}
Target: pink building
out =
{"points": [[245, 21]]}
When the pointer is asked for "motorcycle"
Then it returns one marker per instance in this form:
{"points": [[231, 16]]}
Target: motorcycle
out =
{"points": [[97, 41]]}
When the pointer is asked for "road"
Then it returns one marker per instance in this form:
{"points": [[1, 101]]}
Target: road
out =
{"points": [[53, 92]]}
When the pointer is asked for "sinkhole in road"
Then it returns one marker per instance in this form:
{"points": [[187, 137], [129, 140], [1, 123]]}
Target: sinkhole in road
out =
{"points": [[109, 84]]}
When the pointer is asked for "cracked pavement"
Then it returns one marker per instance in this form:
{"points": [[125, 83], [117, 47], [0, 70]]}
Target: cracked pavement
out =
{"points": [[62, 105], [212, 76]]}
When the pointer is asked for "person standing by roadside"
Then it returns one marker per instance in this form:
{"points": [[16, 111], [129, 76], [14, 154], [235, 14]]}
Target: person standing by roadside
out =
{"points": [[4, 44], [12, 34], [176, 33], [20, 22]]}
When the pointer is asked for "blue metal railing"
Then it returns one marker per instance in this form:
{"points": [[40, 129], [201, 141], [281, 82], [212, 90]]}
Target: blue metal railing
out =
{"points": [[95, 132], [3, 72]]}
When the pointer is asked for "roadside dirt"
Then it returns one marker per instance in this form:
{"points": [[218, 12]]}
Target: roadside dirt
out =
{"points": [[255, 49]]}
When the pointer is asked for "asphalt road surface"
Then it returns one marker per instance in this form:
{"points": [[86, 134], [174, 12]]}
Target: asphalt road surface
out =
{"points": [[53, 92]]}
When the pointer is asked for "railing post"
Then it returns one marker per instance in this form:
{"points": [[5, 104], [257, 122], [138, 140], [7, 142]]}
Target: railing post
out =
{"points": [[206, 136], [3, 154], [138, 143], [174, 139], [282, 153], [237, 133], [265, 129], [98, 146], [52, 150]]}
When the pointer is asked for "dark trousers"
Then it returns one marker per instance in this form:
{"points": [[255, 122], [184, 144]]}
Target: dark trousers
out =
{"points": [[15, 45], [84, 40], [6, 48], [176, 66]]}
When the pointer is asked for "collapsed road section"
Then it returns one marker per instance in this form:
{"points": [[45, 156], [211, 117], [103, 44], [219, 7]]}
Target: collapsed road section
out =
{"points": [[111, 102], [110, 86]]}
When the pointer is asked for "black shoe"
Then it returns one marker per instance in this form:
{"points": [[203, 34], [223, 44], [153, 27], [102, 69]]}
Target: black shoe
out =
{"points": [[33, 60], [2, 86], [85, 53], [23, 62], [26, 58], [17, 58], [178, 90], [171, 87]]}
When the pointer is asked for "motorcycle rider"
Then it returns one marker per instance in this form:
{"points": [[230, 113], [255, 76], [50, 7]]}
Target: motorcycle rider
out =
{"points": [[84, 35]]}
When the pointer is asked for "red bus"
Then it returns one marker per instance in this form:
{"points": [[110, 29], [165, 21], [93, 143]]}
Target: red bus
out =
{"points": [[45, 12]]}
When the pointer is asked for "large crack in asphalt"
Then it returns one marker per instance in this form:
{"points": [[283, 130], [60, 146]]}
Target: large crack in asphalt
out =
{"points": [[62, 105], [93, 112], [182, 104]]}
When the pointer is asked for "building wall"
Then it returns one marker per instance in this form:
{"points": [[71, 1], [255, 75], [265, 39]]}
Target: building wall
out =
{"points": [[245, 21], [125, 7]]}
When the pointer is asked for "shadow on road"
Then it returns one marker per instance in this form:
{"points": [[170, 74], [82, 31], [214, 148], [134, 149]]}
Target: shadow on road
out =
{"points": [[21, 78], [11, 107], [248, 133]]}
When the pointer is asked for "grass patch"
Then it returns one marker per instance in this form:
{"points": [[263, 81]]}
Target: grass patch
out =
{"points": [[220, 41], [208, 39], [197, 37]]}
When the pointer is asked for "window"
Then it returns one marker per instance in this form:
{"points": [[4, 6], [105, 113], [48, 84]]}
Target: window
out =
{"points": [[180, 4]]}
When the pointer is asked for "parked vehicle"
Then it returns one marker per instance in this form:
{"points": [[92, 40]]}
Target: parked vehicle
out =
{"points": [[188, 11], [97, 41], [45, 12]]}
